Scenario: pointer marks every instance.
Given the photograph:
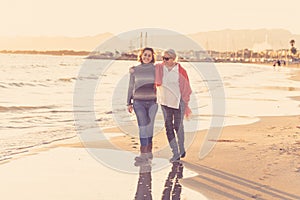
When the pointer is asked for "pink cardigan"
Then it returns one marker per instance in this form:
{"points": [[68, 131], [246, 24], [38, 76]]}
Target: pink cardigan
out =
{"points": [[184, 84]]}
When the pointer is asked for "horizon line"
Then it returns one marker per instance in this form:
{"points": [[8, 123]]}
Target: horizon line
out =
{"points": [[111, 33]]}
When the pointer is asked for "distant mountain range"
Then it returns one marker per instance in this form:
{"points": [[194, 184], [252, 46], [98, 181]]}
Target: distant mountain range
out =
{"points": [[44, 43], [222, 40], [259, 39]]}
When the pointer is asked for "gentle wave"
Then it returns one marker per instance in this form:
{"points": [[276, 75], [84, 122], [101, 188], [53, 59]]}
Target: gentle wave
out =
{"points": [[38, 66], [35, 84], [23, 108], [15, 127], [11, 151], [67, 79], [21, 84]]}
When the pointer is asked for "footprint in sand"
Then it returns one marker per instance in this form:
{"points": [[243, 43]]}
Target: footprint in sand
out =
{"points": [[134, 143]]}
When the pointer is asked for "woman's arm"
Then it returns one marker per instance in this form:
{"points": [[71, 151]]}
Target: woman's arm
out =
{"points": [[130, 89]]}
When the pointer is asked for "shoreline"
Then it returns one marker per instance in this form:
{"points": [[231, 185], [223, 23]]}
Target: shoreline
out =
{"points": [[257, 160]]}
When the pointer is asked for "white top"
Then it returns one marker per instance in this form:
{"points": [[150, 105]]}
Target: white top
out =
{"points": [[168, 94]]}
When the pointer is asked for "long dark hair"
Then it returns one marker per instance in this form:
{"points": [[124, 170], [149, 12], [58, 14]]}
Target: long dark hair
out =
{"points": [[146, 49]]}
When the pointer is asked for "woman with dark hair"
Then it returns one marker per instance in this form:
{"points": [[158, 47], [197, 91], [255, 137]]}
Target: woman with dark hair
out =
{"points": [[142, 99]]}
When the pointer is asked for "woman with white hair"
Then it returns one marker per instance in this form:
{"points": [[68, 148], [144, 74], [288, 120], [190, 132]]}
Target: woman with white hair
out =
{"points": [[173, 94]]}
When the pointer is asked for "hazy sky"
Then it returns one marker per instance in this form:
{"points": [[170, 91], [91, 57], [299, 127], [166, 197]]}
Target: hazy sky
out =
{"points": [[91, 17]]}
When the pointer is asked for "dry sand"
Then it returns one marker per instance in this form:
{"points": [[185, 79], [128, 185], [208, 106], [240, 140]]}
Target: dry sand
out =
{"points": [[257, 161]]}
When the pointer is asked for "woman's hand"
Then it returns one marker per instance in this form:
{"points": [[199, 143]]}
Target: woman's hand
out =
{"points": [[187, 112], [130, 108]]}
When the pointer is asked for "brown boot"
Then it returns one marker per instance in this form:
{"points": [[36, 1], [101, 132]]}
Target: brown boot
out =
{"points": [[143, 157], [150, 154]]}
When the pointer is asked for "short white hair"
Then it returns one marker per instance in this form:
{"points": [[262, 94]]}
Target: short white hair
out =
{"points": [[171, 52]]}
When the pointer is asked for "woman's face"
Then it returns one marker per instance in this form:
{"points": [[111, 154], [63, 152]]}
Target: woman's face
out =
{"points": [[168, 60], [147, 56]]}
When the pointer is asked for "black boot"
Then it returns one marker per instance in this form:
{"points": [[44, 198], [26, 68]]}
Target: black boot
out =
{"points": [[174, 147]]}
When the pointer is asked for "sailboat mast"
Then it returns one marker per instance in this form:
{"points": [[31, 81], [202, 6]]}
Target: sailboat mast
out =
{"points": [[146, 37], [141, 41]]}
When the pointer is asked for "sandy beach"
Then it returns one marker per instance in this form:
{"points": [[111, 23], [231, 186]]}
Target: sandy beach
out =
{"points": [[253, 161], [257, 161]]}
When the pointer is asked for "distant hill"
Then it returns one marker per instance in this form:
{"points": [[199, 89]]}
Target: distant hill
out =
{"points": [[258, 39], [43, 43], [222, 40]]}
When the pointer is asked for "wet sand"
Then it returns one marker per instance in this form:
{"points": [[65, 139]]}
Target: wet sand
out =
{"points": [[254, 161], [66, 170]]}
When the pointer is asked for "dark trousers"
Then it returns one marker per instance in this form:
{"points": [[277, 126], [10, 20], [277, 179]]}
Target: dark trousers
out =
{"points": [[174, 123]]}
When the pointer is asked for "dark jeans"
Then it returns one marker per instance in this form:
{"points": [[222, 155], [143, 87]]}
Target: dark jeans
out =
{"points": [[174, 121], [145, 113]]}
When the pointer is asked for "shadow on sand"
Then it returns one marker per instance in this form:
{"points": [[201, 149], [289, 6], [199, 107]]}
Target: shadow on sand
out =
{"points": [[228, 186]]}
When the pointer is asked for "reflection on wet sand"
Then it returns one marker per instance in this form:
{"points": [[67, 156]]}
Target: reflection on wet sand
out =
{"points": [[144, 185], [172, 187]]}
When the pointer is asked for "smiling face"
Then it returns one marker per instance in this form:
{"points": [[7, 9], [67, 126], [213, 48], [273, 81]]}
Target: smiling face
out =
{"points": [[168, 60], [147, 56]]}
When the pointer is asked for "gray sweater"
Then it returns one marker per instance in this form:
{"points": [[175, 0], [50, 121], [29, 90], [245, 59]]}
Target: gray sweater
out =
{"points": [[141, 83]]}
